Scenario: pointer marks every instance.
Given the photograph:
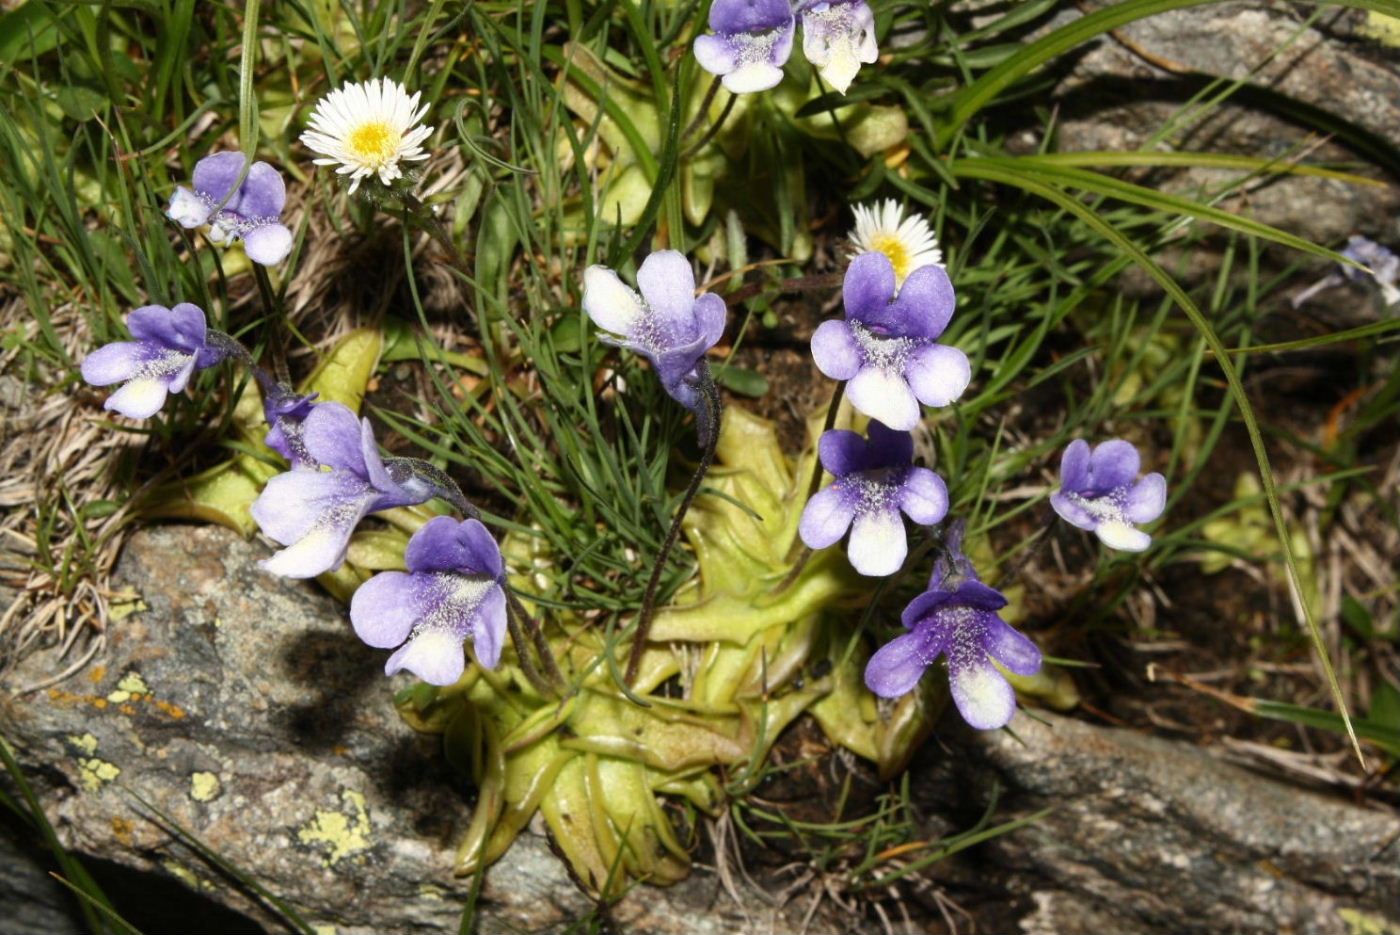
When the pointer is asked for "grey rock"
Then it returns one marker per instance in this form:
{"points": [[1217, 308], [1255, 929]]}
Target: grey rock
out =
{"points": [[33, 902], [1154, 835], [242, 707], [1116, 99]]}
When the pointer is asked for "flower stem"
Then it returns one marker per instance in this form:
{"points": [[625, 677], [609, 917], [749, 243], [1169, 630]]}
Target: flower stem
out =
{"points": [[709, 440], [714, 128], [532, 626], [522, 650], [703, 109]]}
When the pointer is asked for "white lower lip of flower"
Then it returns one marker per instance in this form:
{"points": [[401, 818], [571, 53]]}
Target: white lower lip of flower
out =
{"points": [[368, 129]]}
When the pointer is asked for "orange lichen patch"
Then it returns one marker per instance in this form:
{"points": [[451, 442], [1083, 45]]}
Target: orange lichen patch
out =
{"points": [[173, 710], [65, 699], [122, 829], [69, 700], [340, 750], [97, 674]]}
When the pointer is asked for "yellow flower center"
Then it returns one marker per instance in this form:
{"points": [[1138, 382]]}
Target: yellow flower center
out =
{"points": [[373, 143], [892, 247]]}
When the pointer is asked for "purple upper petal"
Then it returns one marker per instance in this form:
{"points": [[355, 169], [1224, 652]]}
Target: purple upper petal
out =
{"points": [[868, 286], [332, 435], [1113, 464], [446, 544], [667, 283], [888, 447], [215, 176], [733, 16], [263, 193], [180, 328], [843, 452], [924, 305], [1074, 466]]}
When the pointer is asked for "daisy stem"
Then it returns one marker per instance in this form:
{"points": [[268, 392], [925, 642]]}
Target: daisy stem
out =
{"points": [[795, 284], [813, 483], [710, 394], [551, 665]]}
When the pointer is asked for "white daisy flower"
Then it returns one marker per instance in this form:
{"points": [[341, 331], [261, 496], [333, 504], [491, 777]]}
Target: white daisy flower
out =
{"points": [[908, 242], [368, 129]]}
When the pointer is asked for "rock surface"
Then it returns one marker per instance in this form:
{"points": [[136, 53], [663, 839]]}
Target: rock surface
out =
{"points": [[1154, 835], [241, 706], [1124, 89]]}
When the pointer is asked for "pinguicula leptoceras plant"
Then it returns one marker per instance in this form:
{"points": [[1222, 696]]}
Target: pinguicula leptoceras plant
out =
{"points": [[957, 617], [250, 211], [837, 37], [753, 39], [751, 42], [1100, 492], [875, 479], [667, 324], [314, 511], [673, 328], [452, 591], [887, 345], [171, 344]]}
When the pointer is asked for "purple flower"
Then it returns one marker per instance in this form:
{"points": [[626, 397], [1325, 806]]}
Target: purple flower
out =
{"points": [[171, 344], [666, 324], [875, 480], [313, 512], [957, 616], [750, 45], [963, 624], [451, 591], [837, 35], [251, 212], [1100, 492], [286, 412], [1384, 270], [887, 346]]}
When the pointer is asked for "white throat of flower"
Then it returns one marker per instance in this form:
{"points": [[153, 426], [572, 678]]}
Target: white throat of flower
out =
{"points": [[887, 354]]}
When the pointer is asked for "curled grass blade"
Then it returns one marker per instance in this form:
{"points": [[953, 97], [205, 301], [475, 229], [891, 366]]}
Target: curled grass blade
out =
{"points": [[1031, 184]]}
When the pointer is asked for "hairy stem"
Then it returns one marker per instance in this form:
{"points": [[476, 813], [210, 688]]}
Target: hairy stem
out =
{"points": [[709, 440], [522, 650], [532, 626], [800, 561]]}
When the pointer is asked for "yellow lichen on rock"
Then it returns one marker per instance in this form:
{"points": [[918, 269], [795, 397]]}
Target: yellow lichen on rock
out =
{"points": [[344, 834], [204, 787]]}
